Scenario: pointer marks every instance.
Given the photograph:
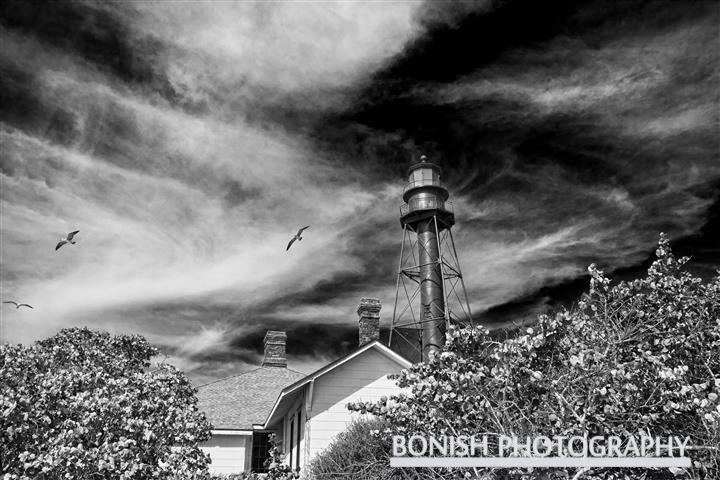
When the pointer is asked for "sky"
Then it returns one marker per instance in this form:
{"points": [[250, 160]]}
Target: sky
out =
{"points": [[188, 141]]}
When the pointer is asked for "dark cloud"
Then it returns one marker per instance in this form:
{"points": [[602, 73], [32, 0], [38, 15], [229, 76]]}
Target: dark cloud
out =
{"points": [[573, 114], [321, 340], [101, 36], [703, 246]]}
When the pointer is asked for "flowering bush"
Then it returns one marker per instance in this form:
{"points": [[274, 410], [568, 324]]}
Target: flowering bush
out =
{"points": [[359, 452], [84, 404], [639, 357], [277, 468]]}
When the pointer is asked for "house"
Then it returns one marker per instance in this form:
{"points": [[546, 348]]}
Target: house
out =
{"points": [[305, 411], [238, 405]]}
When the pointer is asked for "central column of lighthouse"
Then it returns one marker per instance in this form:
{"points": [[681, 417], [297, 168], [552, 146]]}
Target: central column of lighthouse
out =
{"points": [[431, 287]]}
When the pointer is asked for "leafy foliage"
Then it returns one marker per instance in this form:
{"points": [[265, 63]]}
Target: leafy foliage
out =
{"points": [[639, 357], [277, 469], [84, 404], [359, 452]]}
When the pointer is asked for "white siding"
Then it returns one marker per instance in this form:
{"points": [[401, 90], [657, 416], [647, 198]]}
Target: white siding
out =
{"points": [[229, 453], [362, 378]]}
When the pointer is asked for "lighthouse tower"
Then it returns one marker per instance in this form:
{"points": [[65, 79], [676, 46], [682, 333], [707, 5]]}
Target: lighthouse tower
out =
{"points": [[430, 293]]}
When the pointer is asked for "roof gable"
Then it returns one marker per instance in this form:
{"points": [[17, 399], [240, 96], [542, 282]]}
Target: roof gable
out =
{"points": [[294, 388], [392, 355]]}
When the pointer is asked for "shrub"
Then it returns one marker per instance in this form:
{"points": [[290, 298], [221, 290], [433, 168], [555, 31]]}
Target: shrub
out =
{"points": [[277, 469], [359, 452], [84, 404], [639, 356]]}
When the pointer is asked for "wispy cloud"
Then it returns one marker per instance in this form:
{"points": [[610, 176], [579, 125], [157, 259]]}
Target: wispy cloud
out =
{"points": [[189, 141], [237, 55]]}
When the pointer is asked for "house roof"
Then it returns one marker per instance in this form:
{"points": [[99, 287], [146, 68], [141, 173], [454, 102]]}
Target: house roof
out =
{"points": [[240, 401], [289, 393]]}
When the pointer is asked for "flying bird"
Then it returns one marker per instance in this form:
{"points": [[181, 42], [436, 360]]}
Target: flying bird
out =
{"points": [[298, 236], [18, 305], [68, 239]]}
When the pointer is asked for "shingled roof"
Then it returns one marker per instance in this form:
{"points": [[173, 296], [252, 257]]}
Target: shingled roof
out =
{"points": [[243, 400]]}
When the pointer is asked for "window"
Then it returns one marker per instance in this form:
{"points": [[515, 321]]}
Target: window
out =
{"points": [[260, 452], [292, 434], [297, 452]]}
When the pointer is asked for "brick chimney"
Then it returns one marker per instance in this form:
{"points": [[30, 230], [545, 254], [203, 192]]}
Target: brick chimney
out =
{"points": [[369, 321], [275, 349]]}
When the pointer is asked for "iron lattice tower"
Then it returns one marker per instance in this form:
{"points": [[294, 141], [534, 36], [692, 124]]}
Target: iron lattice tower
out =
{"points": [[429, 268]]}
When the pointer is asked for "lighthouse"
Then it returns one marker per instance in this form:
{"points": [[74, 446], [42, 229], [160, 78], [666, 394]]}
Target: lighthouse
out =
{"points": [[430, 290]]}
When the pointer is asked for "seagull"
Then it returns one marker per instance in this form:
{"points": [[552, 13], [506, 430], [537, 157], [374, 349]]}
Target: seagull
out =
{"points": [[298, 236], [18, 305], [68, 239]]}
